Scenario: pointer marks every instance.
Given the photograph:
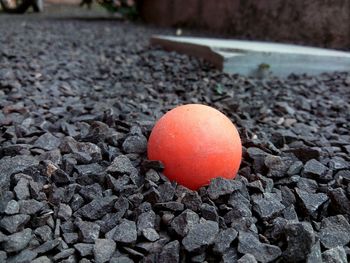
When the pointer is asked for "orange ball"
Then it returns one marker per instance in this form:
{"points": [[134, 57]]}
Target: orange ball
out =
{"points": [[196, 143]]}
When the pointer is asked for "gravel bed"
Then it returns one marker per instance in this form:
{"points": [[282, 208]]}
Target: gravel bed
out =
{"points": [[78, 101]]}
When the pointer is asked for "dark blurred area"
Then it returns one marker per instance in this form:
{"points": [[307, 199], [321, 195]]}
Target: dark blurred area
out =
{"points": [[314, 22]]}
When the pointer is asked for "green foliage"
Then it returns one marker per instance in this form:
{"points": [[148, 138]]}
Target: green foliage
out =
{"points": [[127, 8], [264, 66], [219, 90]]}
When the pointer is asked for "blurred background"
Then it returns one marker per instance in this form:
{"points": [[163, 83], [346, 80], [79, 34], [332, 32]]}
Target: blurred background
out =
{"points": [[316, 23]]}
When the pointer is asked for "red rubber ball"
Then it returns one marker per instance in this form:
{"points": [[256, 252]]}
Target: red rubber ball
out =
{"points": [[196, 143]]}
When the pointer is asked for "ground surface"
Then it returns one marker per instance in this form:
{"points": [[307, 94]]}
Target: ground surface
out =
{"points": [[78, 100]]}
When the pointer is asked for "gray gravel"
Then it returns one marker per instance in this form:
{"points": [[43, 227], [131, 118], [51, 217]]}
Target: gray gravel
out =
{"points": [[78, 100]]}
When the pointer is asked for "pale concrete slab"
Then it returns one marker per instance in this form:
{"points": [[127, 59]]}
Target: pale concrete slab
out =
{"points": [[253, 58]]}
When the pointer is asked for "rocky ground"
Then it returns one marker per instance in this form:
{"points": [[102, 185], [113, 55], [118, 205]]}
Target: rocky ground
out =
{"points": [[78, 100]]}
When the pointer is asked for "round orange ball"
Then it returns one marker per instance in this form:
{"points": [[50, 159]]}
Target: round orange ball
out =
{"points": [[196, 143]]}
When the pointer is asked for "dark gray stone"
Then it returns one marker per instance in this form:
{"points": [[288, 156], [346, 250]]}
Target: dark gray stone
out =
{"points": [[64, 254], [22, 189], [221, 186], [154, 164], [289, 213], [305, 154], [258, 157], [230, 255], [199, 258], [24, 256], [12, 207], [184, 222], [64, 212], [136, 199], [3, 256], [14, 223], [109, 221], [311, 202], [315, 254], [35, 189], [266, 182], [83, 152], [59, 177], [68, 227], [244, 224], [54, 156], [249, 243], [103, 250], [256, 187], [70, 238], [344, 174], [340, 202], [121, 259], [47, 142], [224, 240], [57, 229], [18, 241], [47, 246], [135, 144], [152, 195], [295, 168], [5, 198], [167, 218], [300, 240], [314, 168], [200, 236], [276, 231], [192, 201], [30, 207], [70, 259], [98, 207], [76, 202], [170, 252], [90, 192], [337, 163], [334, 255], [277, 167], [84, 249], [166, 192], [288, 197], [146, 220], [44, 233], [308, 185], [237, 199], [150, 234], [15, 149], [89, 169], [247, 258], [121, 165], [170, 206], [237, 212], [3, 237], [153, 176], [42, 259], [84, 260], [153, 247], [254, 152], [267, 206], [88, 231], [209, 212], [133, 253], [125, 232], [13, 165], [335, 231]]}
